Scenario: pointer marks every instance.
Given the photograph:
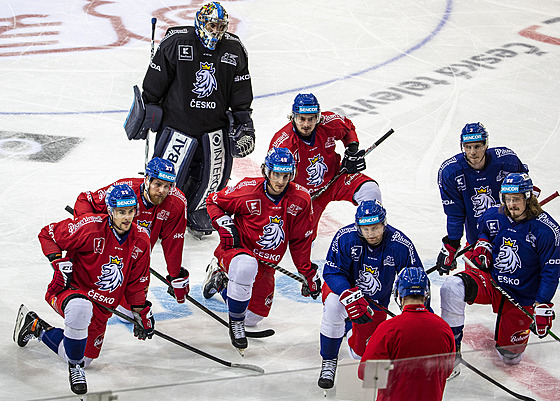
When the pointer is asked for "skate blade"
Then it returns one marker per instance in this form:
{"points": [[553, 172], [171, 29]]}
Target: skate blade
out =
{"points": [[241, 351], [453, 375], [22, 312]]}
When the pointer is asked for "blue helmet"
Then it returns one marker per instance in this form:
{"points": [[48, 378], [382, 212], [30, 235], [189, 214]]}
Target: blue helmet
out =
{"points": [[280, 160], [161, 169], [474, 132], [306, 103], [411, 281], [120, 195], [370, 212], [211, 13], [516, 183]]}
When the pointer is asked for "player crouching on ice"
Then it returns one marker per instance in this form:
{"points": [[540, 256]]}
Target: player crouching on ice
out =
{"points": [[256, 220], [107, 259]]}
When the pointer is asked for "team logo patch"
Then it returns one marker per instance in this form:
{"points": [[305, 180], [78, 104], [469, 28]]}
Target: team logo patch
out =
{"points": [[111, 275], [98, 245], [229, 58], [316, 171], [460, 180], [389, 261], [330, 142], [294, 209], [356, 252], [368, 280], [205, 80], [135, 252], [145, 224], [273, 235], [508, 260], [482, 200], [185, 53], [254, 206]]}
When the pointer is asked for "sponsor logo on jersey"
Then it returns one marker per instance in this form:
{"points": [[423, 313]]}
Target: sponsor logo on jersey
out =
{"points": [[520, 337], [460, 180], [504, 152], [294, 209], [254, 206], [111, 275], [205, 80], [508, 260], [229, 58], [239, 78], [163, 215], [447, 202], [356, 252], [316, 170], [98, 245], [400, 238], [281, 138], [72, 228], [155, 66], [547, 221], [273, 235], [501, 175], [482, 200], [493, 226], [98, 342], [389, 261], [135, 252], [368, 280], [185, 53], [330, 142], [178, 235], [531, 239], [553, 261]]}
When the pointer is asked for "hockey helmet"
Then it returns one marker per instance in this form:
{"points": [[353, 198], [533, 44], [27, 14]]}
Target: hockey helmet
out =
{"points": [[161, 169], [280, 160], [370, 212], [120, 195], [411, 281], [516, 183], [211, 22], [474, 132]]}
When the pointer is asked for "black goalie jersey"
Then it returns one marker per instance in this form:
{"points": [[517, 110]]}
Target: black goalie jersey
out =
{"points": [[195, 86]]}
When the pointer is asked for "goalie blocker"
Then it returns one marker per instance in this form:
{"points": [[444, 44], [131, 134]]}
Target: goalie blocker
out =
{"points": [[198, 172], [141, 117]]}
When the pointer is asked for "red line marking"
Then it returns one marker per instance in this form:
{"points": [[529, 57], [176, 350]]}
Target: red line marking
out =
{"points": [[48, 42], [529, 372], [27, 35], [532, 33]]}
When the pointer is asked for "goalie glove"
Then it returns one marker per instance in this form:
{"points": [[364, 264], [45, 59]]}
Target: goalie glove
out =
{"points": [[446, 258], [229, 236], [241, 133], [180, 287], [482, 255], [354, 159], [62, 275], [356, 306], [312, 285], [543, 316], [144, 321]]}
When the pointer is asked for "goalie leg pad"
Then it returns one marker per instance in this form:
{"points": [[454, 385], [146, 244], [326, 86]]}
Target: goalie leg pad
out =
{"points": [[179, 149]]}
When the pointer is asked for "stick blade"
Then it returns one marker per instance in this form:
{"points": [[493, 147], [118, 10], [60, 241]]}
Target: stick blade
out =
{"points": [[247, 366]]}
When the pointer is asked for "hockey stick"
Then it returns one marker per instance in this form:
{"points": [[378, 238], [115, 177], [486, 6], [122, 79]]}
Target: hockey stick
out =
{"points": [[152, 43], [336, 177], [251, 334], [254, 368], [510, 298], [496, 383], [384, 309], [549, 198], [460, 253]]}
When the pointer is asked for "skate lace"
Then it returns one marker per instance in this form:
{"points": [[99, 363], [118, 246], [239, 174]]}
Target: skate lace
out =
{"points": [[77, 374], [328, 369], [238, 329]]}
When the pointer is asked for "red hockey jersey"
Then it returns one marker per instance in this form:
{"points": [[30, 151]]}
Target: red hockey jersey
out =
{"points": [[103, 266], [167, 221], [317, 163], [266, 227]]}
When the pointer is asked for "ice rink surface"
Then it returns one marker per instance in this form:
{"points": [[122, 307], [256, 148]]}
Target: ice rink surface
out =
{"points": [[424, 68]]}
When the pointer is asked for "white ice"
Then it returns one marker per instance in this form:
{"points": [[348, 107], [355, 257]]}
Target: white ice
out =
{"points": [[68, 69]]}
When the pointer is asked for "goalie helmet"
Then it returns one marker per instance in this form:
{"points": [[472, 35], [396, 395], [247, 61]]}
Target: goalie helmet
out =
{"points": [[211, 22], [161, 169], [120, 195], [280, 160], [411, 281], [516, 183], [474, 132], [370, 212]]}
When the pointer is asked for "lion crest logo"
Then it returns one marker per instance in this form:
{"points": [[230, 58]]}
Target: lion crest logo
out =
{"points": [[482, 200], [316, 171], [507, 261], [273, 235], [111, 275], [368, 280], [205, 80]]}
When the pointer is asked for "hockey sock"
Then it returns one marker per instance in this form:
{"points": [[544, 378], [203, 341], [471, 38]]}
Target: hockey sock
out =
{"points": [[458, 333], [330, 347], [52, 338], [237, 309], [223, 293], [347, 326], [74, 349]]}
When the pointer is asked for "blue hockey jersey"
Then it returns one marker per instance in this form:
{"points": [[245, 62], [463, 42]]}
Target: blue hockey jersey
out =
{"points": [[351, 262], [526, 255], [466, 193]]}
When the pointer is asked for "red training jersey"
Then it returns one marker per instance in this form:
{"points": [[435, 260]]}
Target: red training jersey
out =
{"points": [[166, 221], [317, 162], [105, 267]]}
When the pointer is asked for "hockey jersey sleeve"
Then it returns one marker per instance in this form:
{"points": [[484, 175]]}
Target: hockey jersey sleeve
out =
{"points": [[336, 271], [139, 278], [453, 205], [91, 202], [173, 235], [300, 239], [161, 71], [62, 236], [350, 134], [241, 92], [549, 253]]}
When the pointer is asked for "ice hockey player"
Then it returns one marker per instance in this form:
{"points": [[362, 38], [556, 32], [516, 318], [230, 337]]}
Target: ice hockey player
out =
{"points": [[518, 249], [199, 80], [162, 211], [469, 183], [311, 136], [107, 258], [420, 344], [362, 263], [257, 220]]}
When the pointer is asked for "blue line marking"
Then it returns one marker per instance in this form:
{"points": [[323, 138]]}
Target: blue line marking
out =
{"points": [[422, 43]]}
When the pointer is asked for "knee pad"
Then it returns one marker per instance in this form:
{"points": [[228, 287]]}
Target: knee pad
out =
{"points": [[242, 272], [251, 319], [333, 324], [369, 190], [77, 316], [452, 293], [508, 357]]}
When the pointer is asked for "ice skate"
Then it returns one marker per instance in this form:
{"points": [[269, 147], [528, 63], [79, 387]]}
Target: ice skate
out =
{"points": [[216, 280], [77, 378], [456, 366], [28, 326], [237, 335], [328, 370]]}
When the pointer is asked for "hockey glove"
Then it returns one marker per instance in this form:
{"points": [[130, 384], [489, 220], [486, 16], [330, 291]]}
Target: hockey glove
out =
{"points": [[180, 287], [446, 258], [543, 315], [356, 306], [482, 255], [312, 286], [241, 133], [145, 323], [229, 236], [354, 160], [62, 276]]}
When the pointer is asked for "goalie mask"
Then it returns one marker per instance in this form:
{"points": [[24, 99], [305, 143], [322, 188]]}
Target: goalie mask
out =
{"points": [[211, 22]]}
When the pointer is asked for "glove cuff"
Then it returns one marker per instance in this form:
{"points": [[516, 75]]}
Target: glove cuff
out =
{"points": [[352, 148], [455, 243], [224, 220]]}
